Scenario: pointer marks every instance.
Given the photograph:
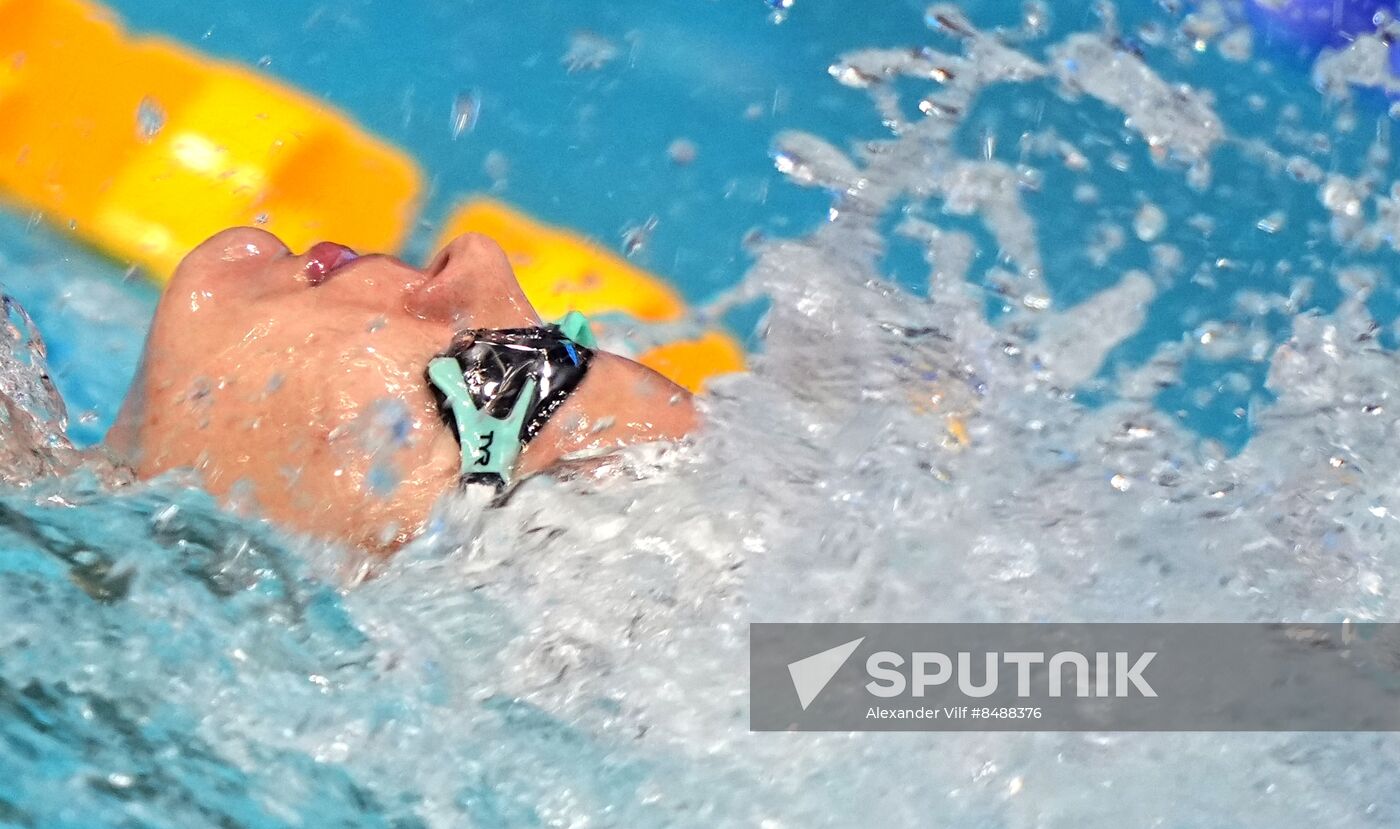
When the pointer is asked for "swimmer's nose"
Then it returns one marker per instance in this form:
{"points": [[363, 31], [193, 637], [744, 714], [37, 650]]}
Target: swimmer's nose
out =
{"points": [[470, 284]]}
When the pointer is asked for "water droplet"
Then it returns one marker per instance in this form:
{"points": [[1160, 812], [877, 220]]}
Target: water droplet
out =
{"points": [[635, 238], [682, 151], [850, 75], [1035, 18], [497, 167], [946, 17], [1238, 45], [588, 52], [808, 160], [1149, 222], [1074, 160], [1273, 222], [150, 119], [466, 108]]}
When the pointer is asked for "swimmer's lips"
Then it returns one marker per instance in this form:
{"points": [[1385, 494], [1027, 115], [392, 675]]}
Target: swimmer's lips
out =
{"points": [[324, 258]]}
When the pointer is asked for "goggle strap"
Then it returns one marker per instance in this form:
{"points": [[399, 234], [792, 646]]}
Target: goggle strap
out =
{"points": [[490, 445], [574, 325]]}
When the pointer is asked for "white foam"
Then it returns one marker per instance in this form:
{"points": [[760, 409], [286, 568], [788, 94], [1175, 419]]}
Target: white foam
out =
{"points": [[1174, 118]]}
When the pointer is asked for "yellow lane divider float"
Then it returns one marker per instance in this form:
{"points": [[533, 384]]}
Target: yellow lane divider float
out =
{"points": [[144, 148]]}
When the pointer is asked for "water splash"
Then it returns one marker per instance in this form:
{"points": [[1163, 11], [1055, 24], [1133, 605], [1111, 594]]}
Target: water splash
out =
{"points": [[577, 656], [33, 418], [1175, 119], [1365, 62]]}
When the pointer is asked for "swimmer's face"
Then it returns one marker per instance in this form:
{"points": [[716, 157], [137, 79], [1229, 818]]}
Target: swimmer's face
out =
{"points": [[297, 381]]}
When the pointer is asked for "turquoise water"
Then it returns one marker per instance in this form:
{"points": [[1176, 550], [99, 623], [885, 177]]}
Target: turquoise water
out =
{"points": [[577, 657]]}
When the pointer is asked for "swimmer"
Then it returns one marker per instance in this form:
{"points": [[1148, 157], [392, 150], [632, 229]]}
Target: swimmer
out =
{"points": [[303, 382]]}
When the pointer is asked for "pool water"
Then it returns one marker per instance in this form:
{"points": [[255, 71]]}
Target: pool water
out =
{"points": [[1069, 312]]}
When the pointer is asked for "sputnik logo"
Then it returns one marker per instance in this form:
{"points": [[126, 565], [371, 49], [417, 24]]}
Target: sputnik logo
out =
{"points": [[810, 675]]}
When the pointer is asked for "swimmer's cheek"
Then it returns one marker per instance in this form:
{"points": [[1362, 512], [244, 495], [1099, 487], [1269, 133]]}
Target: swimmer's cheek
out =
{"points": [[375, 503]]}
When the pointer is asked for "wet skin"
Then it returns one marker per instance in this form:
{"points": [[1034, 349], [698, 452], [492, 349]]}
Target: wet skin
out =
{"points": [[298, 381]]}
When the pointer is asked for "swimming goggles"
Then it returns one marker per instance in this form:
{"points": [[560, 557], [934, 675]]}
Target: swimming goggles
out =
{"points": [[497, 387]]}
